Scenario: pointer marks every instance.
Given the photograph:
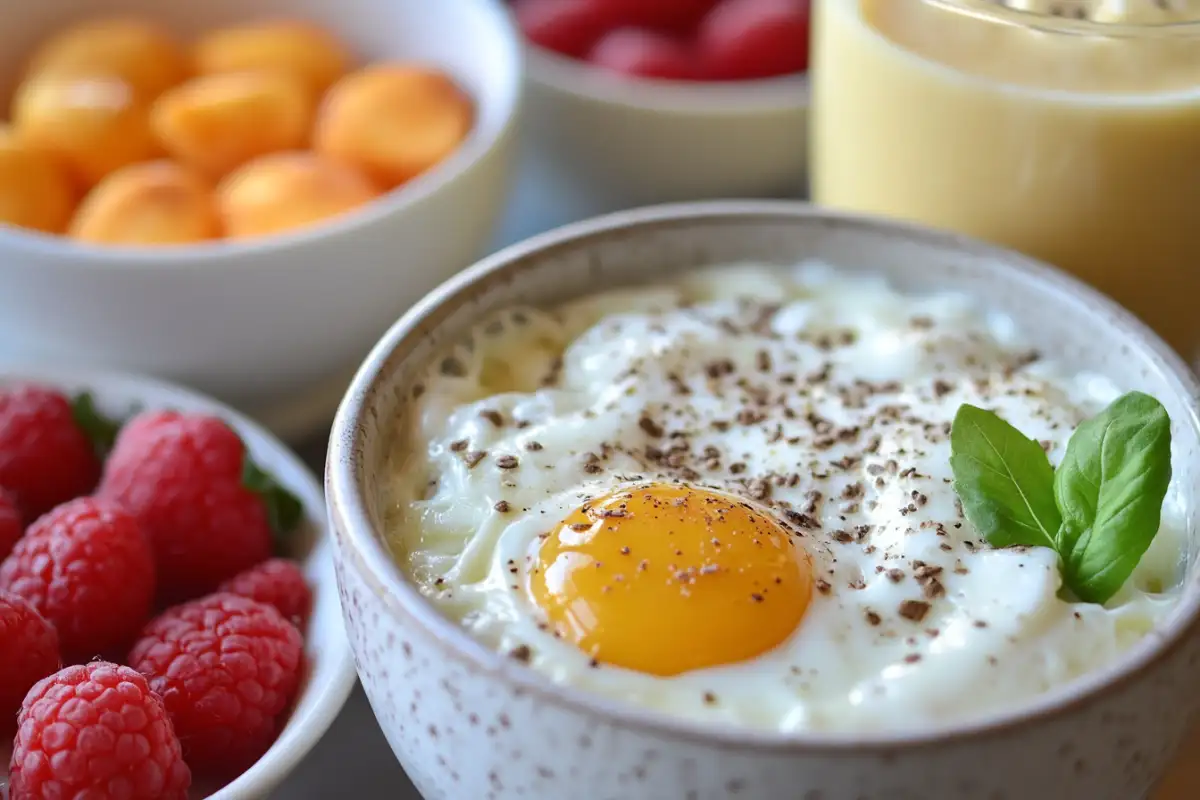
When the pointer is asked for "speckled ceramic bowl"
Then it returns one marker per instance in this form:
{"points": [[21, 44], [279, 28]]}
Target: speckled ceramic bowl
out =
{"points": [[469, 723]]}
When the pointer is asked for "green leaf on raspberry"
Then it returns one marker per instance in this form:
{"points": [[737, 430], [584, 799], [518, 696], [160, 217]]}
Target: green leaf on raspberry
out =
{"points": [[99, 429], [284, 509]]}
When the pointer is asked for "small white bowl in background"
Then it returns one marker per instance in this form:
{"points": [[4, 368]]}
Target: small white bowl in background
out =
{"points": [[329, 670], [633, 141], [273, 326]]}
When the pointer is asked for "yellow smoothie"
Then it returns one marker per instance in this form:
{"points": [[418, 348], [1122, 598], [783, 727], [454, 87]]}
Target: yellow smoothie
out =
{"points": [[1076, 141]]}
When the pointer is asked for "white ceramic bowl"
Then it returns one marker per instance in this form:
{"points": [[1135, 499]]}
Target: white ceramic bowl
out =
{"points": [[632, 142], [266, 325], [468, 722], [329, 676]]}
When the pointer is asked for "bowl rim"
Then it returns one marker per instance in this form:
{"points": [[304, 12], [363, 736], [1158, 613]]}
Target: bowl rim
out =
{"points": [[359, 541], [232, 254], [300, 734], [786, 93]]}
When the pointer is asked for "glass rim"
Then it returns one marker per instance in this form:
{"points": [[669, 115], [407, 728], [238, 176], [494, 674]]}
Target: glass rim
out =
{"points": [[1064, 25]]}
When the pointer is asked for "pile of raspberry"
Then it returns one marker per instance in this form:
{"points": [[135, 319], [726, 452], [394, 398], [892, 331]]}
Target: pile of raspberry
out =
{"points": [[147, 632]]}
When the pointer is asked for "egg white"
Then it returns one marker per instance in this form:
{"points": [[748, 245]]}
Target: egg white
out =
{"points": [[996, 630]]}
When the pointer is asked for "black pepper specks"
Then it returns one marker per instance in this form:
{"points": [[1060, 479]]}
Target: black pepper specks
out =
{"points": [[846, 465], [651, 427], [914, 610]]}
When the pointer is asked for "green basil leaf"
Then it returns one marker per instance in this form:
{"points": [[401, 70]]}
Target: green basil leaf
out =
{"points": [[1003, 480], [1110, 489]]}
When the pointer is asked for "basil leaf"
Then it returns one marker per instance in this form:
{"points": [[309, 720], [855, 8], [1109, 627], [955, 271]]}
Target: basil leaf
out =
{"points": [[1110, 489], [1003, 480]]}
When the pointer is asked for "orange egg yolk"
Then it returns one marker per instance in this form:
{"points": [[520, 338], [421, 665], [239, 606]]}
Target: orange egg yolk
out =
{"points": [[663, 579]]}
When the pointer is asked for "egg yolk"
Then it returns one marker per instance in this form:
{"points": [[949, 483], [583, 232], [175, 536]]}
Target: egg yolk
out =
{"points": [[663, 579]]}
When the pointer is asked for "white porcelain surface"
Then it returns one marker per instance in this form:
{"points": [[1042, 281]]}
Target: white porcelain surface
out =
{"points": [[633, 142], [467, 722], [258, 322], [330, 667]]}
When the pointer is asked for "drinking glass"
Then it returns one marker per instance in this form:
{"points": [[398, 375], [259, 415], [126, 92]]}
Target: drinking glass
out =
{"points": [[1066, 130]]}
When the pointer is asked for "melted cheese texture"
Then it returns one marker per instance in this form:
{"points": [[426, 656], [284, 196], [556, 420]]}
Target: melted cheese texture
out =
{"points": [[729, 499]]}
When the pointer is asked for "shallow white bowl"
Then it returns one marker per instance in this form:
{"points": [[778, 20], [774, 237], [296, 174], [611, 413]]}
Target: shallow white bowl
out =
{"points": [[468, 722], [330, 673], [264, 324], [634, 141]]}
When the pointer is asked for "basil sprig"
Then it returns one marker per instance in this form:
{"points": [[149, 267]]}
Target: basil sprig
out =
{"points": [[1099, 510]]}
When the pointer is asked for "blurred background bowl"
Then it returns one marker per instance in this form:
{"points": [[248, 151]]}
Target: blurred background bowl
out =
{"points": [[635, 141], [274, 327]]}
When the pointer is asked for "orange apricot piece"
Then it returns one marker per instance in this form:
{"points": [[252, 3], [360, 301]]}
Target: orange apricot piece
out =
{"points": [[218, 122], [395, 121], [152, 203], [35, 191], [94, 125], [285, 191], [297, 48], [143, 54]]}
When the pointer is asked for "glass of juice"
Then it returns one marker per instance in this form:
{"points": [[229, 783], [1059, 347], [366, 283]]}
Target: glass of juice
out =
{"points": [[1069, 130]]}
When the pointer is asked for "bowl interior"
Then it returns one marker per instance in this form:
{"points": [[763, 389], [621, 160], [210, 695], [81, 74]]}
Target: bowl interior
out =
{"points": [[330, 672], [471, 40], [1077, 326]]}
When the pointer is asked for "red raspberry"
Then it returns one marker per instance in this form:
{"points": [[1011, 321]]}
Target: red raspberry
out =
{"points": [[207, 509], [644, 53], [87, 568], [569, 27], [46, 457], [96, 731], [226, 668], [279, 583], [11, 528], [28, 653], [749, 39]]}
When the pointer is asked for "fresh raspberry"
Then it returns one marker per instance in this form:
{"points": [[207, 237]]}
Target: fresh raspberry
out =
{"points": [[644, 53], [28, 653], [87, 568], [751, 39], [96, 731], [569, 27], [209, 512], [46, 457], [226, 667], [279, 583], [11, 528]]}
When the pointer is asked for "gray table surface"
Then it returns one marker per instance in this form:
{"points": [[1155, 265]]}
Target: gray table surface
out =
{"points": [[353, 759]]}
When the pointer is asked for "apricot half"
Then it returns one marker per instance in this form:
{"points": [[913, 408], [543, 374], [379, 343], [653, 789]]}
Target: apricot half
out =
{"points": [[284, 191], [35, 191], [300, 49], [94, 124], [218, 122], [143, 54], [395, 121], [153, 203]]}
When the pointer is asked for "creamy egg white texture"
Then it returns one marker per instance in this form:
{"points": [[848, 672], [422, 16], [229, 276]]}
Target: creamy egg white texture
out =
{"points": [[729, 499]]}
